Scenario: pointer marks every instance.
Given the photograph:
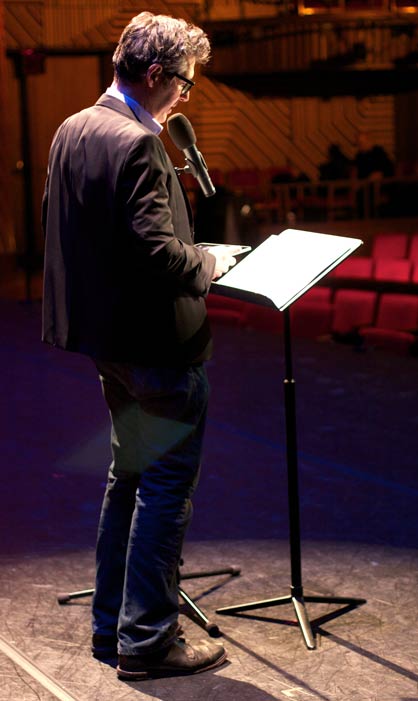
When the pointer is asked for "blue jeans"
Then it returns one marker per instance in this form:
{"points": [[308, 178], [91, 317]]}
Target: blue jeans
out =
{"points": [[158, 417]]}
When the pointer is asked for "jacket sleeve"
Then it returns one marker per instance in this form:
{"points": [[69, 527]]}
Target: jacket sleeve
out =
{"points": [[154, 206]]}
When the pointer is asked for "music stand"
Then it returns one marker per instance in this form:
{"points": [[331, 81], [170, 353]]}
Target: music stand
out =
{"points": [[250, 279]]}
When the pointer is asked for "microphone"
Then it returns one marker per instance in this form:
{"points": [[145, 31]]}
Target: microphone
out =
{"points": [[182, 134]]}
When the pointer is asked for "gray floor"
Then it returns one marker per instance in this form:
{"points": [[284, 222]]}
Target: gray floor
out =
{"points": [[357, 427], [370, 653]]}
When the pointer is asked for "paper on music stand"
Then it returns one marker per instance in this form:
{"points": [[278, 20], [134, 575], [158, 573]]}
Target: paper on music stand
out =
{"points": [[286, 265]]}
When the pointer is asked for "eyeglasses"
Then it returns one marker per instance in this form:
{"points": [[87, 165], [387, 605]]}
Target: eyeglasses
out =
{"points": [[188, 84]]}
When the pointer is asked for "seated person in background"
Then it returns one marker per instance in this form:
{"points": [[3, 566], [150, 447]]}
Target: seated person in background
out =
{"points": [[289, 175], [371, 161], [337, 167]]}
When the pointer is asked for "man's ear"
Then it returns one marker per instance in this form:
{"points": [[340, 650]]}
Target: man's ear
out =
{"points": [[154, 74]]}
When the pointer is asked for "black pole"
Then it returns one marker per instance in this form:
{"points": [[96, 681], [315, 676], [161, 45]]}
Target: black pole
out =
{"points": [[292, 462], [29, 232]]}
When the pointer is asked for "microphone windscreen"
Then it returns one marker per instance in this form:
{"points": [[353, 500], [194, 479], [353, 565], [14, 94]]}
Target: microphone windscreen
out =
{"points": [[181, 131]]}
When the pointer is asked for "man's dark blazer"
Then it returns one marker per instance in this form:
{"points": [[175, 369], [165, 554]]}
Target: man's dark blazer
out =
{"points": [[122, 279]]}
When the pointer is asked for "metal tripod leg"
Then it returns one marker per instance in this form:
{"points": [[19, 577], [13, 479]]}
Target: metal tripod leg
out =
{"points": [[192, 609], [198, 616], [303, 620]]}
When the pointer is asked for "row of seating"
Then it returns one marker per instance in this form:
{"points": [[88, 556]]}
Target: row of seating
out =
{"points": [[395, 245], [363, 317], [393, 258], [367, 300], [381, 269]]}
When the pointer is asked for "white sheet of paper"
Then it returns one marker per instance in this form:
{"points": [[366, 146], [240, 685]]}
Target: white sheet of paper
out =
{"points": [[286, 265]]}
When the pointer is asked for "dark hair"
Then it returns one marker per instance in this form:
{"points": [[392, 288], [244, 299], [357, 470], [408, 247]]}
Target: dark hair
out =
{"points": [[149, 39]]}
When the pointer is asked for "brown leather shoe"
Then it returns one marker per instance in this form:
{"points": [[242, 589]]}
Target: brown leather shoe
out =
{"points": [[177, 659]]}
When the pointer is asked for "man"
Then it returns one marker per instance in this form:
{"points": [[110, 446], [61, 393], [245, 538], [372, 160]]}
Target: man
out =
{"points": [[372, 164], [371, 161], [125, 285]]}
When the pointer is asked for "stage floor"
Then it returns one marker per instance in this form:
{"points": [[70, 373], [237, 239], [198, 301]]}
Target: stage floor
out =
{"points": [[366, 654], [357, 417]]}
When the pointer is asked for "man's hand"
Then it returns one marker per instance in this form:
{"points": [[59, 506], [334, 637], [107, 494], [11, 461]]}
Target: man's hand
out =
{"points": [[224, 259]]}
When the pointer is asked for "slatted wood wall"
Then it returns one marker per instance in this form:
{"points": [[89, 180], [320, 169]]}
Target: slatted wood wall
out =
{"points": [[234, 130]]}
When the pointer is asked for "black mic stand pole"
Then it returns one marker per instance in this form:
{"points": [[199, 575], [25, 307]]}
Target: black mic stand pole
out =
{"points": [[296, 596]]}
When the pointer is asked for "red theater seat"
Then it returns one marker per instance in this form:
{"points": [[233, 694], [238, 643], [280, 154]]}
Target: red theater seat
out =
{"points": [[352, 310], [396, 322], [413, 248], [393, 269], [311, 314], [316, 294], [359, 267], [390, 245]]}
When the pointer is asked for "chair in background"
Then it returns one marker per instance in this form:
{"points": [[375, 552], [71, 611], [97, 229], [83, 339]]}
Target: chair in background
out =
{"points": [[353, 309], [311, 315], [359, 267], [392, 269], [413, 248], [396, 323], [392, 245]]}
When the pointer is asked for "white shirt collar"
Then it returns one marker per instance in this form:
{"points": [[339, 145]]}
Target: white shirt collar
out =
{"points": [[144, 117]]}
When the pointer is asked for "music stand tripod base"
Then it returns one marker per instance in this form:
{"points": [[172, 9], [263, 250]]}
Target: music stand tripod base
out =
{"points": [[298, 602]]}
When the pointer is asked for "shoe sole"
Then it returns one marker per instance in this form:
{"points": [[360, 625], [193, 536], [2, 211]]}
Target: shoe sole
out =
{"points": [[169, 672]]}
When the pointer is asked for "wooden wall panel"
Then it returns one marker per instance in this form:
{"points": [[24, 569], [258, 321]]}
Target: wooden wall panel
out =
{"points": [[239, 9], [295, 43], [63, 21], [52, 96], [234, 129], [24, 21], [50, 105], [108, 32]]}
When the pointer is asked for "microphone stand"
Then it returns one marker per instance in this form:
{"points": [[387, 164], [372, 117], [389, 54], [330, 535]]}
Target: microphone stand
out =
{"points": [[192, 610], [201, 174]]}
